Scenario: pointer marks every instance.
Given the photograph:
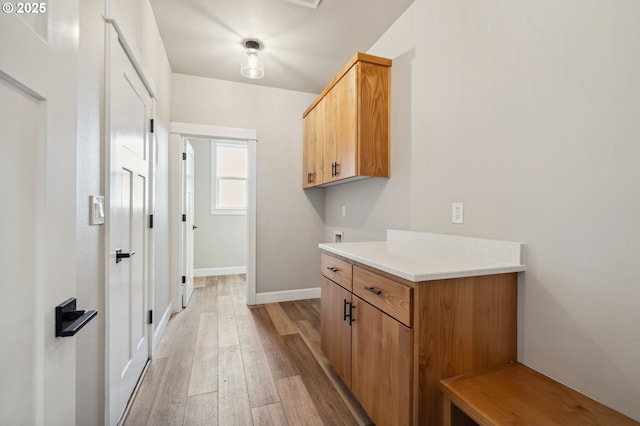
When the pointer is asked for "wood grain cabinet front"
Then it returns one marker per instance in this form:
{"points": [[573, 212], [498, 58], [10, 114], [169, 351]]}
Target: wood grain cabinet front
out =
{"points": [[389, 296], [335, 327], [392, 340], [312, 157], [347, 128], [369, 349], [337, 270], [381, 355]]}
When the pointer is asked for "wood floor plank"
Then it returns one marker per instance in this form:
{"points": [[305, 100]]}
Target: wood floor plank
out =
{"points": [[248, 333], [297, 403], [293, 312], [233, 396], [210, 296], [315, 304], [269, 415], [170, 403], [278, 357], [146, 396], [238, 290], [258, 364], [330, 406], [202, 410], [165, 348], [311, 336], [199, 282], [308, 312], [280, 319], [204, 371], [227, 331], [260, 384], [224, 285]]}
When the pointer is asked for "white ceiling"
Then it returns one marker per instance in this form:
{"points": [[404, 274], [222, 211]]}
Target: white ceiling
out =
{"points": [[304, 48]]}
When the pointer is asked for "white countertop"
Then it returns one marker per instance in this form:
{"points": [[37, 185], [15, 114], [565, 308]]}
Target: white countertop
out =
{"points": [[424, 256]]}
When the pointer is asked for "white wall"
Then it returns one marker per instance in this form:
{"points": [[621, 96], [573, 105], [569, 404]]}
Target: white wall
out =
{"points": [[220, 240], [145, 38], [289, 220], [90, 239], [526, 111]]}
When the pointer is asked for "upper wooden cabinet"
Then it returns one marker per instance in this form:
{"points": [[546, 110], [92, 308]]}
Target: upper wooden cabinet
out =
{"points": [[346, 129]]}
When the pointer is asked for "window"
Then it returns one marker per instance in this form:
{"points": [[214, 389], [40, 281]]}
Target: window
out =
{"points": [[228, 177]]}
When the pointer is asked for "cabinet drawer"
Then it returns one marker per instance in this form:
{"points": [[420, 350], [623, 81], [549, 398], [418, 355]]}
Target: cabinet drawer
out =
{"points": [[389, 296], [337, 271]]}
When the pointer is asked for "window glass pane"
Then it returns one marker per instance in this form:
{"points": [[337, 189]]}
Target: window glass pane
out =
{"points": [[232, 194], [231, 161]]}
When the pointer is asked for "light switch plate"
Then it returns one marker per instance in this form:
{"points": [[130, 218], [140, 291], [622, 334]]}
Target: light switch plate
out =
{"points": [[457, 213], [97, 209]]}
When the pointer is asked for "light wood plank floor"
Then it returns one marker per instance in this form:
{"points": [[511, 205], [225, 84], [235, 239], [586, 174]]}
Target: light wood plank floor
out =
{"points": [[223, 363]]}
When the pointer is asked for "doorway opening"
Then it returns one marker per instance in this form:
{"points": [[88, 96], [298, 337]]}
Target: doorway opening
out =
{"points": [[224, 225]]}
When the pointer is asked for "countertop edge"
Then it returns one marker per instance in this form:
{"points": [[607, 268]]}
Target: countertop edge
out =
{"points": [[425, 276]]}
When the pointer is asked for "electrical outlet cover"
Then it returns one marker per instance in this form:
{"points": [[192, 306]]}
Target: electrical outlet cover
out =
{"points": [[457, 213]]}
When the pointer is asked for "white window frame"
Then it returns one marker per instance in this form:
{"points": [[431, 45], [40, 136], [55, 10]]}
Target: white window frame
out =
{"points": [[213, 206]]}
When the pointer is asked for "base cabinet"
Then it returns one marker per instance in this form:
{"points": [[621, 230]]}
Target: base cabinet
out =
{"points": [[392, 340], [381, 365], [335, 329]]}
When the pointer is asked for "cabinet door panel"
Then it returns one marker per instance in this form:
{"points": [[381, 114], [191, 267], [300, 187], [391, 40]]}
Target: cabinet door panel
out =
{"points": [[335, 332], [341, 128], [312, 149], [374, 115], [381, 365]]}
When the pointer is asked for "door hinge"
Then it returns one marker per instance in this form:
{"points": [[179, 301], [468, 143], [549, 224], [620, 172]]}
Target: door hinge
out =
{"points": [[151, 316], [184, 279], [184, 155], [184, 217], [151, 125], [150, 221]]}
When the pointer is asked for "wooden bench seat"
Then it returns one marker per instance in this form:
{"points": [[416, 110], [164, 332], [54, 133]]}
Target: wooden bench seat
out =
{"points": [[514, 394]]}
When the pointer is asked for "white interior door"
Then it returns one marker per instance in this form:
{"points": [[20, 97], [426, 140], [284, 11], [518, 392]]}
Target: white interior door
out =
{"points": [[189, 227], [130, 109], [38, 112]]}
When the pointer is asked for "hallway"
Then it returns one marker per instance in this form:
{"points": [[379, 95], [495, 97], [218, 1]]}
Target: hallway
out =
{"points": [[223, 363]]}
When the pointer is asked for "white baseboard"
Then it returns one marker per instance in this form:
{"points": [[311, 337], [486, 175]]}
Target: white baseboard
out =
{"points": [[214, 272], [158, 334], [288, 295]]}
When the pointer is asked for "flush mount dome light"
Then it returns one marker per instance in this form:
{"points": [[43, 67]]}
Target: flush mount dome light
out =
{"points": [[308, 3], [252, 65]]}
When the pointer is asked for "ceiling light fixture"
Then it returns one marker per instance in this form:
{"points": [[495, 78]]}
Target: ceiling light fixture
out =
{"points": [[252, 65], [309, 3]]}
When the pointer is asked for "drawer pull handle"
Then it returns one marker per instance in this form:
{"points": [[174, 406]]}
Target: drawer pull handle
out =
{"points": [[333, 268], [373, 290]]}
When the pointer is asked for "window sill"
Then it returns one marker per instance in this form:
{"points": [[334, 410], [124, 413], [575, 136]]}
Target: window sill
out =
{"points": [[227, 212]]}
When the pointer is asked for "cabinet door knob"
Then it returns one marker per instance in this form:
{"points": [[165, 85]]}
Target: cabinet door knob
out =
{"points": [[373, 290]]}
